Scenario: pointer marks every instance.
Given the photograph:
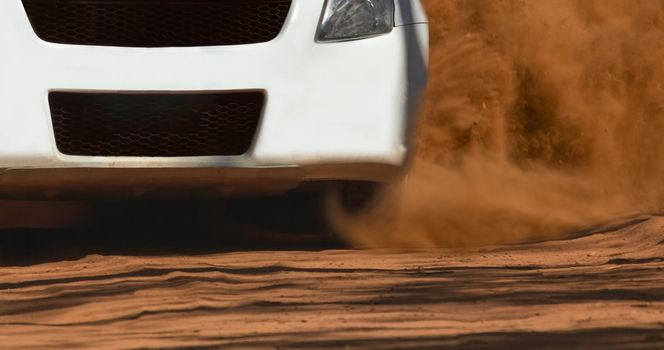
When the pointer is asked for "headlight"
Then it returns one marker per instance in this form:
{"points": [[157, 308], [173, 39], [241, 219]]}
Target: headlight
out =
{"points": [[354, 19]]}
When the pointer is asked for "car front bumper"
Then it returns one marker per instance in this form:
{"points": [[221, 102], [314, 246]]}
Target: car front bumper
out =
{"points": [[341, 110]]}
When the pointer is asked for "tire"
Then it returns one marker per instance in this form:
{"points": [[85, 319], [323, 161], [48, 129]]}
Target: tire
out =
{"points": [[340, 213], [361, 213]]}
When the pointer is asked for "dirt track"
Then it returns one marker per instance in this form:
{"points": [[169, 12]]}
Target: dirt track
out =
{"points": [[601, 290]]}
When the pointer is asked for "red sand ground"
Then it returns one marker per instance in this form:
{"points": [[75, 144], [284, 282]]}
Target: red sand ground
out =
{"points": [[596, 291]]}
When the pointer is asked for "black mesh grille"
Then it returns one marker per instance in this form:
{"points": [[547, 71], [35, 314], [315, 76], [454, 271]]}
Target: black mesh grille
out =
{"points": [[157, 23], [155, 125]]}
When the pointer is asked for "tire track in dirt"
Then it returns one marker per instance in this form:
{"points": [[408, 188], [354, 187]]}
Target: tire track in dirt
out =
{"points": [[595, 290]]}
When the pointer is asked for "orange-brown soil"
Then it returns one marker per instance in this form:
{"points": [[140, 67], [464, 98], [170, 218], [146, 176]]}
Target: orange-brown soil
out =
{"points": [[598, 290]]}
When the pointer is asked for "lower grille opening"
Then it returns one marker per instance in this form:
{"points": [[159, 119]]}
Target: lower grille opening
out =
{"points": [[155, 125]]}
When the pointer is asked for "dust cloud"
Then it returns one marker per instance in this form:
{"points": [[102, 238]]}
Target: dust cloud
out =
{"points": [[542, 118]]}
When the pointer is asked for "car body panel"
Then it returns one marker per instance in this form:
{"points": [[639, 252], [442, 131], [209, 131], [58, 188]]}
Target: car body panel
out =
{"points": [[340, 103]]}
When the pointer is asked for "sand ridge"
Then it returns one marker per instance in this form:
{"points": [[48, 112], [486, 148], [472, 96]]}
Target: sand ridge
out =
{"points": [[600, 290]]}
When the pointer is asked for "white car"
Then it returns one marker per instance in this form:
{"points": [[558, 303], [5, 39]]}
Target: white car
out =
{"points": [[206, 97]]}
